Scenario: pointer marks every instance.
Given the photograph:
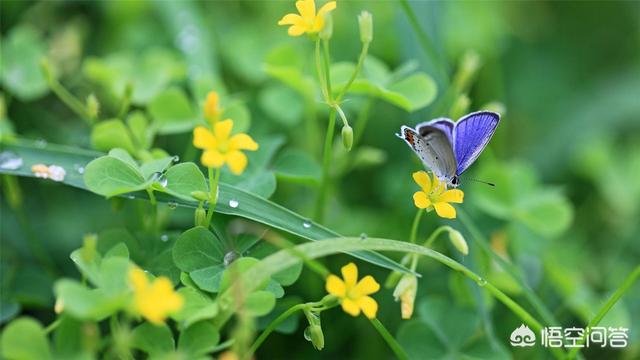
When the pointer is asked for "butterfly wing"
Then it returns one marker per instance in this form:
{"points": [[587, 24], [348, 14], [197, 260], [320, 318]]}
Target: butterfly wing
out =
{"points": [[471, 135], [433, 148]]}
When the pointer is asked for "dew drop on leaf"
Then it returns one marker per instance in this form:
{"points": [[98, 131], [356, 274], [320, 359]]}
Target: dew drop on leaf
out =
{"points": [[233, 203], [306, 224], [10, 161], [41, 143], [363, 236], [164, 237], [172, 205], [230, 257]]}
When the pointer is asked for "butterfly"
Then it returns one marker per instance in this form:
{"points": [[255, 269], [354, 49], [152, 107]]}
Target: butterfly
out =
{"points": [[449, 148]]}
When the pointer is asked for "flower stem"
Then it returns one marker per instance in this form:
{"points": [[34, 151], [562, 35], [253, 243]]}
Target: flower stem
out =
{"points": [[52, 326], [65, 96], [274, 324], [326, 163], [393, 344], [356, 71], [414, 227], [154, 209], [630, 280], [213, 193], [427, 244], [479, 239]]}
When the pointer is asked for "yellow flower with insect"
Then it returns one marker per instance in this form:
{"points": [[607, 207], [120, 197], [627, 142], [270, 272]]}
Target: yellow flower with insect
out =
{"points": [[353, 294], [308, 21], [155, 300], [212, 110], [220, 147], [434, 195]]}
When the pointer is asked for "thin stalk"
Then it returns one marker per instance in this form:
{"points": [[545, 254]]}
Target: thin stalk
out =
{"points": [[538, 305], [361, 58], [326, 164], [415, 225], [65, 96], [154, 209], [425, 41], [393, 344], [321, 76], [52, 326], [325, 63], [361, 122], [630, 280], [213, 193], [274, 324]]}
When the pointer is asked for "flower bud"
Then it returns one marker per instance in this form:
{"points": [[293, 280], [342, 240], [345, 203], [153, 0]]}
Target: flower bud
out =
{"points": [[327, 28], [314, 334], [347, 137], [200, 195], [200, 216], [93, 106], [458, 241], [59, 306], [406, 291], [365, 21], [89, 247]]}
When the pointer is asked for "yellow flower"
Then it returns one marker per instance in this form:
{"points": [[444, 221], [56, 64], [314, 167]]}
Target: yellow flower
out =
{"points": [[212, 110], [308, 21], [153, 300], [435, 194], [353, 293], [220, 148], [406, 291]]}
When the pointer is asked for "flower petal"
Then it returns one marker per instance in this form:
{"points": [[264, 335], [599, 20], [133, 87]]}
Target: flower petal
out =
{"points": [[423, 180], [222, 129], [437, 187], [296, 30], [203, 138], [445, 210], [237, 162], [350, 275], [306, 8], [318, 24], [326, 8], [335, 286], [421, 200], [291, 19], [212, 158], [367, 285], [242, 142], [212, 106], [350, 307], [452, 196], [138, 279], [368, 305]]}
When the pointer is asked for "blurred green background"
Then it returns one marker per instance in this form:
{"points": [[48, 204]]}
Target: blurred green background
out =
{"points": [[565, 158]]}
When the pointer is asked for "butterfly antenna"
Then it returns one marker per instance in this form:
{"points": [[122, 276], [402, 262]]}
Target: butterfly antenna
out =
{"points": [[481, 181]]}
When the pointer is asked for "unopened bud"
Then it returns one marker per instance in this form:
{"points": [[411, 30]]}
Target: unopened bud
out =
{"points": [[200, 195], [59, 306], [89, 247], [406, 291], [330, 301], [458, 241], [365, 21], [93, 106], [315, 335], [200, 216], [327, 29], [347, 137]]}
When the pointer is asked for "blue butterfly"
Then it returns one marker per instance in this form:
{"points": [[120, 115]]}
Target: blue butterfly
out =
{"points": [[449, 148]]}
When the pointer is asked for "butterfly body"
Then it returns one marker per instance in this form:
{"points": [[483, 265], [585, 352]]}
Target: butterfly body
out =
{"points": [[448, 148]]}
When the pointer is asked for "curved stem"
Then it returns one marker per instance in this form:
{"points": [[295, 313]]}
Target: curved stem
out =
{"points": [[356, 71], [274, 324], [415, 225], [213, 193], [393, 344], [326, 164], [427, 244], [630, 280]]}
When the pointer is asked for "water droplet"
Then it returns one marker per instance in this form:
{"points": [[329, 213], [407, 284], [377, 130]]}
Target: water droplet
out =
{"points": [[234, 203], [164, 182], [172, 205], [164, 237], [307, 333], [131, 197], [482, 282], [363, 236], [10, 161], [40, 143], [306, 224], [79, 168], [230, 257], [175, 158]]}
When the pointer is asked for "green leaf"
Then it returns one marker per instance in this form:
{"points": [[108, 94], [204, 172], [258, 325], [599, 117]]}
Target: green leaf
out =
{"points": [[25, 339], [249, 206], [197, 248], [259, 303], [72, 339], [197, 307], [110, 134], [296, 165], [183, 179], [547, 213], [418, 89], [22, 51], [113, 274], [172, 112], [239, 267], [282, 104], [198, 339], [123, 155], [142, 133], [240, 115], [155, 166], [153, 339], [109, 176], [87, 304], [90, 269], [120, 250]]}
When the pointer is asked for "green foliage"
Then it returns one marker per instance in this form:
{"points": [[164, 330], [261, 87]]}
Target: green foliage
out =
{"points": [[23, 49], [25, 339]]}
